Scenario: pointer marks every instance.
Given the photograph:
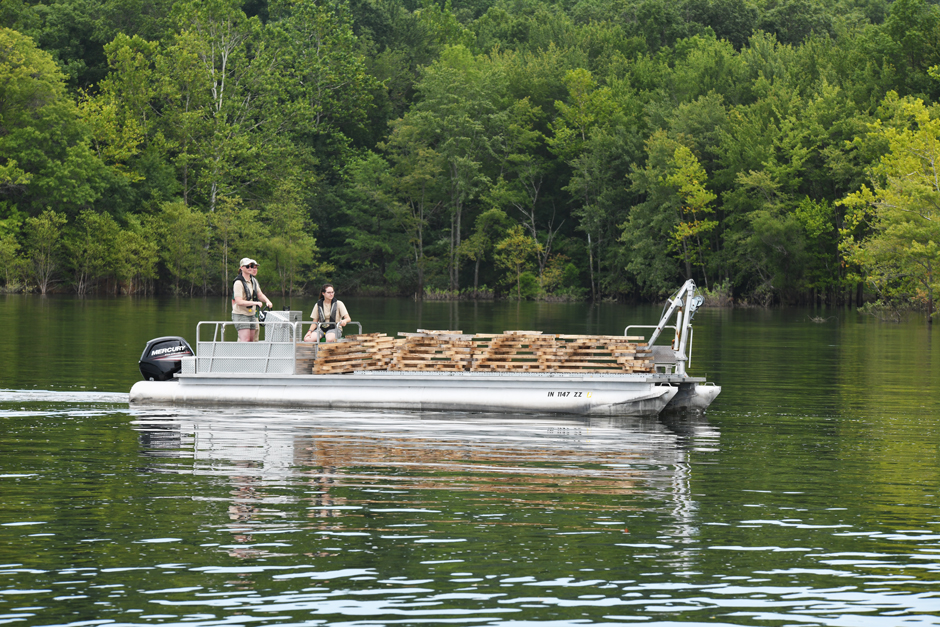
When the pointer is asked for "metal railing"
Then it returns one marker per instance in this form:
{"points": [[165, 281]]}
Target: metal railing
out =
{"points": [[276, 352], [647, 326], [674, 328]]}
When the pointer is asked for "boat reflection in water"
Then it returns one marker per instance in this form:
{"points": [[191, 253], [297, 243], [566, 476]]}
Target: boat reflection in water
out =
{"points": [[288, 470]]}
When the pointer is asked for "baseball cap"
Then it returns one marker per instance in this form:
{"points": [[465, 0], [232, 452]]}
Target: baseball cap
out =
{"points": [[246, 261]]}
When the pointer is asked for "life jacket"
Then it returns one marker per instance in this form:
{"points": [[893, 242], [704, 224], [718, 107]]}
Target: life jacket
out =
{"points": [[323, 318], [250, 293]]}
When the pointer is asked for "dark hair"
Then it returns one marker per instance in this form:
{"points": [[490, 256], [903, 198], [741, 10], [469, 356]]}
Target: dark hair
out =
{"points": [[323, 289]]}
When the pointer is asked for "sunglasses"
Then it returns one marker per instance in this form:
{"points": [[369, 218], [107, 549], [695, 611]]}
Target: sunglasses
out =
{"points": [[252, 265]]}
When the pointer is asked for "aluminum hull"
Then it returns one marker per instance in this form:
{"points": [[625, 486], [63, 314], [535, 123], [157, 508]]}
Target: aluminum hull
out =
{"points": [[591, 395]]}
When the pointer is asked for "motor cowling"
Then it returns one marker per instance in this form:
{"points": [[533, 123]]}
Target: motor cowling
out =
{"points": [[162, 358]]}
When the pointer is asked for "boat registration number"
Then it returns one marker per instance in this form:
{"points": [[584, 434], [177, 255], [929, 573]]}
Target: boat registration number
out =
{"points": [[564, 394]]}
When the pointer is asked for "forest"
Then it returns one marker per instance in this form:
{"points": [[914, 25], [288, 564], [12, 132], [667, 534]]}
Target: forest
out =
{"points": [[778, 152]]}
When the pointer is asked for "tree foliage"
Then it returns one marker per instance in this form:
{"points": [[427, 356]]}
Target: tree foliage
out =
{"points": [[45, 156], [608, 149], [898, 251]]}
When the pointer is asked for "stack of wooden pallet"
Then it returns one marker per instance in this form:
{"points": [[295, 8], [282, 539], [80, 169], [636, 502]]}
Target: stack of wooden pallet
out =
{"points": [[304, 357], [449, 351], [369, 351], [604, 353], [515, 351], [453, 351], [532, 351]]}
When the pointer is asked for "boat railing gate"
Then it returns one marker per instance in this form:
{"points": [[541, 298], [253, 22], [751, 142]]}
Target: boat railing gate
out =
{"points": [[665, 357], [280, 349]]}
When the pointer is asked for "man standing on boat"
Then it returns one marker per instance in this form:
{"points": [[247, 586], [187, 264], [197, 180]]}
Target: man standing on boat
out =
{"points": [[329, 317], [246, 297]]}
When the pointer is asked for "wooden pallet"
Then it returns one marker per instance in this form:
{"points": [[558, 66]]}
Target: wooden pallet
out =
{"points": [[514, 351], [605, 353], [304, 357], [440, 351], [368, 351], [528, 351]]}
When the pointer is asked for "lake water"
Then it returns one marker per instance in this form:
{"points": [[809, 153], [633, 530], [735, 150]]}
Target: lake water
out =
{"points": [[808, 495]]}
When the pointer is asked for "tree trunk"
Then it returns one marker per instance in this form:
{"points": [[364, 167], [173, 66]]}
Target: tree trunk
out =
{"points": [[929, 296], [591, 266], [476, 277], [453, 260], [419, 261]]}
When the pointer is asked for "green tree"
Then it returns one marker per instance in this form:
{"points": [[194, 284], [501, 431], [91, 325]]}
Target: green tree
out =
{"points": [[415, 187], [651, 230], [687, 177], [185, 234], [45, 158], [143, 122], [233, 226], [900, 254], [121, 113], [443, 24], [10, 257], [328, 94], [514, 253], [222, 60], [792, 21], [581, 135], [456, 112], [67, 30], [659, 22], [524, 168], [290, 244], [147, 19], [44, 237], [489, 226], [824, 272], [375, 248], [915, 26], [731, 20], [140, 256], [94, 249]]}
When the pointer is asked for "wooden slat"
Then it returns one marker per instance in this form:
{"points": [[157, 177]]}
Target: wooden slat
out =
{"points": [[603, 338], [432, 351], [366, 351], [519, 351]]}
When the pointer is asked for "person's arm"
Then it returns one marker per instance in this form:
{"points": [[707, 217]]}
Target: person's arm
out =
{"points": [[315, 315], [344, 316], [261, 294]]}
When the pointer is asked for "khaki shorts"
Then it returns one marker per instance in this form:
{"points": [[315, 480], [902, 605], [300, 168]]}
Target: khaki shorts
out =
{"points": [[243, 322], [333, 334]]}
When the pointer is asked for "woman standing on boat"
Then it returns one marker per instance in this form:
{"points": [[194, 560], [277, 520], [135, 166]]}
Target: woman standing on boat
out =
{"points": [[329, 317], [246, 295]]}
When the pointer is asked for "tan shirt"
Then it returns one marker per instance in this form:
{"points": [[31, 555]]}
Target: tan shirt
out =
{"points": [[239, 292]]}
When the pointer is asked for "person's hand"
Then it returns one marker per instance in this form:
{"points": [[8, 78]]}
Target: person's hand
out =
{"points": [[270, 305]]}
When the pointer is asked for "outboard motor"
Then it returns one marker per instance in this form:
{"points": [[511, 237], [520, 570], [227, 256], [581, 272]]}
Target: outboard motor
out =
{"points": [[163, 358]]}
